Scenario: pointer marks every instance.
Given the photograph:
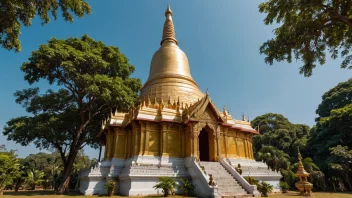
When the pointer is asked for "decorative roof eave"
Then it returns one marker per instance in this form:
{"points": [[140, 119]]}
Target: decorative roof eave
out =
{"points": [[198, 108]]}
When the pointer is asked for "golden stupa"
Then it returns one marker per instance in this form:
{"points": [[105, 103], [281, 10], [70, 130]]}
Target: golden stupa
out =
{"points": [[169, 75], [170, 101], [173, 128]]}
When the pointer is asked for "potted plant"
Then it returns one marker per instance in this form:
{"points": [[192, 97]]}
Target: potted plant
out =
{"points": [[110, 187], [187, 186], [284, 187], [166, 184], [264, 188]]}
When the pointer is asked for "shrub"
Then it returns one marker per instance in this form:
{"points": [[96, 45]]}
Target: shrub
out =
{"points": [[284, 186], [187, 186], [166, 184], [110, 187], [264, 188]]}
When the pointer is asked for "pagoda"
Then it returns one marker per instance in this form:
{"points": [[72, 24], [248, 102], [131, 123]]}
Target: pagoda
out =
{"points": [[303, 185], [176, 131]]}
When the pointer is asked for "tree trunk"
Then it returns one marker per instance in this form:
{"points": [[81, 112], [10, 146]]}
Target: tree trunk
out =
{"points": [[348, 181], [18, 185], [1, 191], [68, 167]]}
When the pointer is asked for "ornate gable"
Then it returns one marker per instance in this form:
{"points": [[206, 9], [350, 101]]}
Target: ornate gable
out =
{"points": [[204, 109]]}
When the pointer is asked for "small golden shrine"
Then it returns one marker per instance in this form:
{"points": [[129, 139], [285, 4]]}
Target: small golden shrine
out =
{"points": [[303, 185]]}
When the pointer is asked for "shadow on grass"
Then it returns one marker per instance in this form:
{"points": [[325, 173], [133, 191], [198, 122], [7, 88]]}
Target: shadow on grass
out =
{"points": [[29, 193], [37, 193], [49, 193]]}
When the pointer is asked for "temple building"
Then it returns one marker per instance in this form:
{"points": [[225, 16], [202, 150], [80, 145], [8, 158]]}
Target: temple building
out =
{"points": [[176, 131]]}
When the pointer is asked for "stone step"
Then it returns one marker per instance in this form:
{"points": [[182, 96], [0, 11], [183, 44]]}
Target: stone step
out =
{"points": [[230, 189], [227, 185]]}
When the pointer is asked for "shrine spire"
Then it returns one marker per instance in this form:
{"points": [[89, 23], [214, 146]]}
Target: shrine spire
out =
{"points": [[169, 30]]}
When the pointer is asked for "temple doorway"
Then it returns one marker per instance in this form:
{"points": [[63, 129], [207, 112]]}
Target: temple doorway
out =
{"points": [[203, 141]]}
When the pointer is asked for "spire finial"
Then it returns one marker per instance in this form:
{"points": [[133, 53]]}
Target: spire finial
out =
{"points": [[168, 10], [169, 30]]}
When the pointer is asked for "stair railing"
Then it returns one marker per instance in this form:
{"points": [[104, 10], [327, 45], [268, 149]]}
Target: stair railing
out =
{"points": [[203, 178], [252, 189]]}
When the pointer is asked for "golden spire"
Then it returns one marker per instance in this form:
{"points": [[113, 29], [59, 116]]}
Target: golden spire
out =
{"points": [[170, 70], [169, 30]]}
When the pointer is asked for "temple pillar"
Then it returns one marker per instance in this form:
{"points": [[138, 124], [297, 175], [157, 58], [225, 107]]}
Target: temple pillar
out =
{"points": [[164, 128], [161, 140], [106, 146], [195, 146], [251, 148], [246, 148], [218, 142], [135, 143], [116, 139], [226, 144], [146, 144], [236, 141], [109, 144], [129, 143], [182, 141], [142, 139]]}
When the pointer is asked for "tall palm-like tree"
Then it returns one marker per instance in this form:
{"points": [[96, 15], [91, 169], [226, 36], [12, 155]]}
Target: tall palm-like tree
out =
{"points": [[34, 178], [273, 157]]}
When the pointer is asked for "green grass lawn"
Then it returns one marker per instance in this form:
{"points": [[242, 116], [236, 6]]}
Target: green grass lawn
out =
{"points": [[294, 194], [49, 194]]}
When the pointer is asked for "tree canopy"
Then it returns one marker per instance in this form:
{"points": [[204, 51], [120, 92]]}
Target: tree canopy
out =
{"points": [[279, 132], [91, 80], [9, 168], [308, 29], [277, 145], [334, 123], [14, 13]]}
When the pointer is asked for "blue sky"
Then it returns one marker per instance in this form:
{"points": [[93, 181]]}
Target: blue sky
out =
{"points": [[220, 38]]}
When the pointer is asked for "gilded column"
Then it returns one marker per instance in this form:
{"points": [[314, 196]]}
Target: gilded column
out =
{"points": [[135, 137], [106, 146], [116, 153], [218, 141], [161, 138], [130, 144], [225, 141], [246, 147], [195, 141], [146, 144], [109, 146], [236, 141], [164, 128], [182, 139], [142, 139]]}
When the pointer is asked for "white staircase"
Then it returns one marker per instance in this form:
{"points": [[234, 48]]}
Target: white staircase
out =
{"points": [[227, 185]]}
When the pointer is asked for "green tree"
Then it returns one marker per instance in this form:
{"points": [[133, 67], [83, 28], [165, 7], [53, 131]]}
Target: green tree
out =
{"points": [[92, 80], [275, 159], [34, 178], [333, 126], [336, 98], [307, 30], [14, 13], [9, 168], [49, 164], [340, 162], [279, 132]]}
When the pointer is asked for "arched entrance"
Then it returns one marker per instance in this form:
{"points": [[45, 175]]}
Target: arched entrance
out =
{"points": [[203, 141]]}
